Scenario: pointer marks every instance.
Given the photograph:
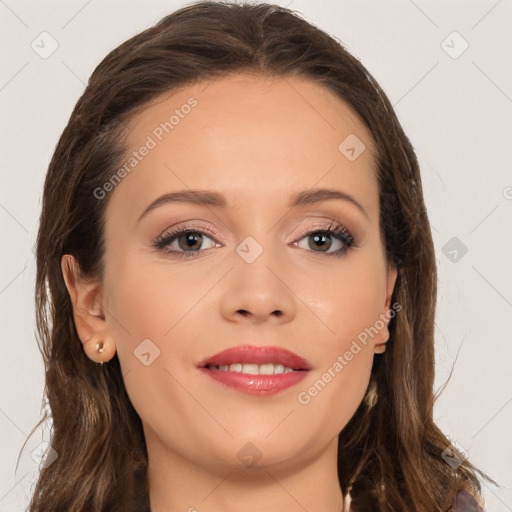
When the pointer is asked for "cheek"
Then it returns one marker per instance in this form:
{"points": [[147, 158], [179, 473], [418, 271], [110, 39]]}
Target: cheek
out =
{"points": [[149, 300], [154, 333], [349, 305], [336, 388], [346, 300]]}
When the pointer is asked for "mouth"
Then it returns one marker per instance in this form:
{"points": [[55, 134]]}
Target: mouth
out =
{"points": [[256, 370]]}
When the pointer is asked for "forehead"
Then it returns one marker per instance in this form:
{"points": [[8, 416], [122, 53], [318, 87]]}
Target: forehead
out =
{"points": [[249, 135]]}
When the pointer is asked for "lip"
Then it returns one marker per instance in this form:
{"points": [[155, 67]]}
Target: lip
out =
{"points": [[263, 385], [256, 384], [257, 355]]}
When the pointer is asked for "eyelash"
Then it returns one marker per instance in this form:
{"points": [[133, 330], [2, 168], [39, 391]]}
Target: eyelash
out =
{"points": [[334, 230]]}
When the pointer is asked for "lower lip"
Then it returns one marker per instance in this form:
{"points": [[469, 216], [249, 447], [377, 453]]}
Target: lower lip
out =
{"points": [[256, 384]]}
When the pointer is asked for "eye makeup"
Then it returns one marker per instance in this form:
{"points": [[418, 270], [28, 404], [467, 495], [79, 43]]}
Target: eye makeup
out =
{"points": [[191, 233]]}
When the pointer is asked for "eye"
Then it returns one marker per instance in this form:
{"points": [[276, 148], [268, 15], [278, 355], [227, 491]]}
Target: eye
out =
{"points": [[185, 242], [326, 239]]}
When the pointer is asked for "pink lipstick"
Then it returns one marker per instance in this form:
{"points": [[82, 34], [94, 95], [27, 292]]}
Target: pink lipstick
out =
{"points": [[256, 370]]}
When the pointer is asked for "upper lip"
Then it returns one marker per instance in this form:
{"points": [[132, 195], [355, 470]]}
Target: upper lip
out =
{"points": [[247, 354]]}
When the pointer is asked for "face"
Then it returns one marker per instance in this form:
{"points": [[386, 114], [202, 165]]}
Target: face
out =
{"points": [[261, 269]]}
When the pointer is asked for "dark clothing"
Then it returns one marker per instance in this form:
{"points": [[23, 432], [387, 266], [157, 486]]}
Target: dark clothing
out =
{"points": [[465, 502]]}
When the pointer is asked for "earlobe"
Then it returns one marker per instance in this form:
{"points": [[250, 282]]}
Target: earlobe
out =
{"points": [[88, 312], [386, 314]]}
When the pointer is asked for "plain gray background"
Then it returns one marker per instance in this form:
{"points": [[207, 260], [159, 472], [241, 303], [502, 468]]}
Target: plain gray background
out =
{"points": [[455, 104]]}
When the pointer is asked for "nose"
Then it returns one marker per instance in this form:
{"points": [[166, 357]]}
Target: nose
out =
{"points": [[259, 291]]}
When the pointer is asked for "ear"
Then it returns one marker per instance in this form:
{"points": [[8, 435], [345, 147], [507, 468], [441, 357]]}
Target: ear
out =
{"points": [[88, 313], [386, 314]]}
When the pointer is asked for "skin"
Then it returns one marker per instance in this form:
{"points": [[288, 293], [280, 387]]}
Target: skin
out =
{"points": [[257, 141]]}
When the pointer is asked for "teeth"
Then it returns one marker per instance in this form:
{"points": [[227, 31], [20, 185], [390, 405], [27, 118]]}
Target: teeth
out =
{"points": [[253, 369]]}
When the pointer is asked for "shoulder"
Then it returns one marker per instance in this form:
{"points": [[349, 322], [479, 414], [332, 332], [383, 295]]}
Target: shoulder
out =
{"points": [[465, 502]]}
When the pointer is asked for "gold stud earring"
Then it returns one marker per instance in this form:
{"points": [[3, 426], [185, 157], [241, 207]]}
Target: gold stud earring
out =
{"points": [[99, 349]]}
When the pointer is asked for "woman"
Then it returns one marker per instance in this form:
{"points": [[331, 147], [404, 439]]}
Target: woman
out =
{"points": [[236, 282]]}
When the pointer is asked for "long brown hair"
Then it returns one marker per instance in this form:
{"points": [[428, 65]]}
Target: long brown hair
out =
{"points": [[390, 453]]}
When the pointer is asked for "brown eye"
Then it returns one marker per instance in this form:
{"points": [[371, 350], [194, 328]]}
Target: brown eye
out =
{"points": [[191, 240], [184, 242], [321, 241]]}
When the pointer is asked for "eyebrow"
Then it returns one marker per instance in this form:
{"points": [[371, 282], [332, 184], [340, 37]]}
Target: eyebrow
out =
{"points": [[211, 198]]}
